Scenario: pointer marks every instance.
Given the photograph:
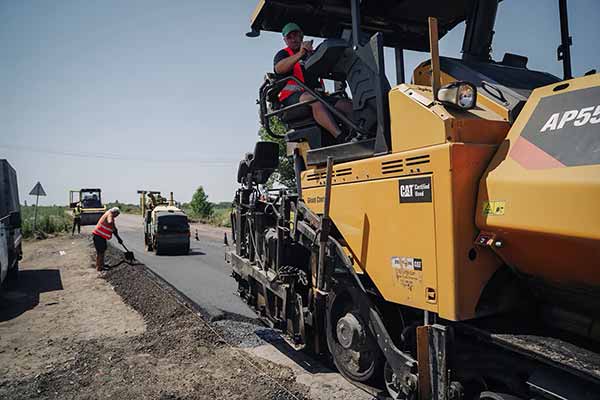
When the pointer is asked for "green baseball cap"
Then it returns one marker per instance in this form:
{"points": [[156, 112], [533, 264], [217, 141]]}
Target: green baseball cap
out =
{"points": [[290, 27]]}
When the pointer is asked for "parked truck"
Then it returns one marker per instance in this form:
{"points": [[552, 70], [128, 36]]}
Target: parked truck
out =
{"points": [[10, 225]]}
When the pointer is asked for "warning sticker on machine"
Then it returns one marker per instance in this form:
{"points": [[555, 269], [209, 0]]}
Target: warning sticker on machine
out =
{"points": [[415, 190], [407, 271], [407, 263], [494, 208]]}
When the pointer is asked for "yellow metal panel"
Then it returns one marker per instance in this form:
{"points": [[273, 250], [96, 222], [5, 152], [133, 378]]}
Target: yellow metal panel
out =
{"points": [[384, 235], [550, 225], [471, 267], [412, 123], [416, 121]]}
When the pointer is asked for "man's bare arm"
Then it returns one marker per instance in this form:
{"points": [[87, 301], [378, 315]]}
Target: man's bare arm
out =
{"points": [[286, 65]]}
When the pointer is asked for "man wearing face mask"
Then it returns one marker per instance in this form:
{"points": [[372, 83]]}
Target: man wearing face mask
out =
{"points": [[289, 61]]}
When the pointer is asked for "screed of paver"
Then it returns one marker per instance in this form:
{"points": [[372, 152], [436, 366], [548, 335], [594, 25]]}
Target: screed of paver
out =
{"points": [[59, 299]]}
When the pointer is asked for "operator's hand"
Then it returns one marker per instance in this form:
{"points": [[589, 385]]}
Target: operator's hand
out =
{"points": [[306, 47]]}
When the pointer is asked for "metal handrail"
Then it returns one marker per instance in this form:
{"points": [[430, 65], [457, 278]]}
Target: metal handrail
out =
{"points": [[284, 109], [264, 115]]}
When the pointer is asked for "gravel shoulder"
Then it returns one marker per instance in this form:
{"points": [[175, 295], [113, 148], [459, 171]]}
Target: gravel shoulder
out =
{"points": [[66, 333]]}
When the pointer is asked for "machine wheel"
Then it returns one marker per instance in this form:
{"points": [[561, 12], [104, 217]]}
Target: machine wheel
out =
{"points": [[351, 344]]}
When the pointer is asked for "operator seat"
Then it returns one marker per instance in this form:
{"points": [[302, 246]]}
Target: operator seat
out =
{"points": [[336, 60], [257, 167], [298, 121]]}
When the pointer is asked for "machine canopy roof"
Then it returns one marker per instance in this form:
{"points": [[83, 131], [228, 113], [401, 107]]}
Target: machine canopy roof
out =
{"points": [[402, 22]]}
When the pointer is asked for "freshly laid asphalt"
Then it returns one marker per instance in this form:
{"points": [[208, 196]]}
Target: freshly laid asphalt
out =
{"points": [[202, 275]]}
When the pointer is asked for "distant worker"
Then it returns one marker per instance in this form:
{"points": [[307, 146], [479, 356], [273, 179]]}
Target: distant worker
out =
{"points": [[291, 61], [103, 232], [76, 219]]}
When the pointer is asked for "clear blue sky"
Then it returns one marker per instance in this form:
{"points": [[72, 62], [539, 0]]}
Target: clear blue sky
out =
{"points": [[161, 94]]}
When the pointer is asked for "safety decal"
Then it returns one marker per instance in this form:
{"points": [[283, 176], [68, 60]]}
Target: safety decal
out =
{"points": [[415, 190], [562, 131], [407, 263], [494, 208]]}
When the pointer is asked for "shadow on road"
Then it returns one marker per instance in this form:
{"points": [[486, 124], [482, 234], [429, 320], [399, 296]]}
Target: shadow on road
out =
{"points": [[26, 294]]}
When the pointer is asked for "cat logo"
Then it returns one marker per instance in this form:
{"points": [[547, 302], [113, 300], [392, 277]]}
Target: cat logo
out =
{"points": [[415, 190]]}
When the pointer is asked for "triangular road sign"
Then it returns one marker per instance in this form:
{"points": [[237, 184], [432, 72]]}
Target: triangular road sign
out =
{"points": [[37, 190]]}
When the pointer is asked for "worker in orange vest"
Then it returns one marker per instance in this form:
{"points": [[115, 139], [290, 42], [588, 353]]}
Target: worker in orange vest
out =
{"points": [[103, 231], [289, 61]]}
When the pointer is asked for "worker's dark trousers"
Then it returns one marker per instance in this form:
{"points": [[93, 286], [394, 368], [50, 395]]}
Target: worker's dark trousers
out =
{"points": [[76, 223]]}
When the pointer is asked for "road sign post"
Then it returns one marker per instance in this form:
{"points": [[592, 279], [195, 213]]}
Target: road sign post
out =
{"points": [[37, 191]]}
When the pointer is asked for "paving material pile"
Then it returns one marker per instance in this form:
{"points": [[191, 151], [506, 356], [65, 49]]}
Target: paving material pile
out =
{"points": [[172, 353]]}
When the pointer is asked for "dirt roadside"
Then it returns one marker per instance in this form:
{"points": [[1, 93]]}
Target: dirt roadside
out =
{"points": [[65, 333]]}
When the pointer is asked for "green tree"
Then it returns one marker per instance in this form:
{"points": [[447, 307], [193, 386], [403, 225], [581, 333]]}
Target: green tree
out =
{"points": [[284, 175], [200, 204]]}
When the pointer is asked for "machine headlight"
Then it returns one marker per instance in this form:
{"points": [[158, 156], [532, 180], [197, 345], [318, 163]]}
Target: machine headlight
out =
{"points": [[458, 94]]}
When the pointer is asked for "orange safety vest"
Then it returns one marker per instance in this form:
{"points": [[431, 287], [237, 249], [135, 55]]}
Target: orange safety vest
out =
{"points": [[103, 228], [291, 86]]}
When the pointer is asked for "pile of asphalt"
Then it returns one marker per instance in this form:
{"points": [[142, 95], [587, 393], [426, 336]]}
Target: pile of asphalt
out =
{"points": [[239, 330], [179, 356], [177, 328]]}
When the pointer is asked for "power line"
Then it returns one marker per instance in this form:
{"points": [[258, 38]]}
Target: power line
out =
{"points": [[121, 157]]}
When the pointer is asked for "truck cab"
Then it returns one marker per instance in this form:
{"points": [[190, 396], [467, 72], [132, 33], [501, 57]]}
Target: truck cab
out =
{"points": [[10, 225]]}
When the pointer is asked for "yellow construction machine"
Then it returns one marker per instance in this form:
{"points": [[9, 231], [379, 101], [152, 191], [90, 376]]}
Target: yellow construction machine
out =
{"points": [[452, 249], [87, 204], [166, 227]]}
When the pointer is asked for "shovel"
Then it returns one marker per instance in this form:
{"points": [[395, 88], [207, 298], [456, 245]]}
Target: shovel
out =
{"points": [[129, 257]]}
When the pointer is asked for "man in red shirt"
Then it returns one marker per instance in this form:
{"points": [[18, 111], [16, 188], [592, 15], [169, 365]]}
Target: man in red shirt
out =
{"points": [[289, 61], [102, 232]]}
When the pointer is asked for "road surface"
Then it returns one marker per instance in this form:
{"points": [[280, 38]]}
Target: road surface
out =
{"points": [[203, 275]]}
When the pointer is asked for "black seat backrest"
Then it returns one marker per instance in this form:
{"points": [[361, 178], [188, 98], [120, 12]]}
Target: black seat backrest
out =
{"points": [[258, 166]]}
